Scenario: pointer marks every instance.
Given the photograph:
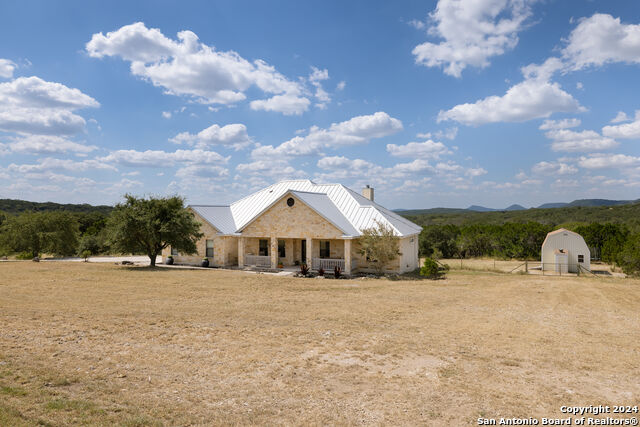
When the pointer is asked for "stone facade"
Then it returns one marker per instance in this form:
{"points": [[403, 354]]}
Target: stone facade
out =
{"points": [[298, 221], [225, 248]]}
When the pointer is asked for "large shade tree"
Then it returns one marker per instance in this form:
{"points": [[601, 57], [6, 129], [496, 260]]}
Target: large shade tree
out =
{"points": [[148, 225]]}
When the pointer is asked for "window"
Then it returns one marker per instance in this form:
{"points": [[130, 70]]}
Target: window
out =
{"points": [[281, 252], [291, 201], [580, 258], [209, 252], [174, 251], [325, 251], [263, 249]]}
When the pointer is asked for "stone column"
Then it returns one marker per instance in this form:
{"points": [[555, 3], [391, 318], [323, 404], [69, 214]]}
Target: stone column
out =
{"points": [[309, 259], [274, 252], [347, 257], [240, 252]]}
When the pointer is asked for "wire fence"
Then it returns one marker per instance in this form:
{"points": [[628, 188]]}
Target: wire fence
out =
{"points": [[521, 267], [554, 269]]}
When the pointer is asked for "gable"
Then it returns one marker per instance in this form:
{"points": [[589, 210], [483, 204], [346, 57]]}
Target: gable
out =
{"points": [[205, 226], [298, 221]]}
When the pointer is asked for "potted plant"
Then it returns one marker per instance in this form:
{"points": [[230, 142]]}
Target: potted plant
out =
{"points": [[337, 272], [169, 260], [205, 262], [280, 265]]}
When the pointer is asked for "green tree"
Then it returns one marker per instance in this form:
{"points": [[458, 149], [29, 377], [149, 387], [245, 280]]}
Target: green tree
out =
{"points": [[441, 238], [432, 270], [630, 255], [40, 232], [148, 225], [379, 245]]}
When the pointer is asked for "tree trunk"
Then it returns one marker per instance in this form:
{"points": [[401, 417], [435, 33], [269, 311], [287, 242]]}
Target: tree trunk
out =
{"points": [[153, 257]]}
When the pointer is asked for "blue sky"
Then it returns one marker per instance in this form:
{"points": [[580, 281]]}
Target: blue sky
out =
{"points": [[440, 103]]}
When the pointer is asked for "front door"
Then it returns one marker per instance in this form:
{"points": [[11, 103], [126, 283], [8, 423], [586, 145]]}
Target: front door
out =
{"points": [[304, 252]]}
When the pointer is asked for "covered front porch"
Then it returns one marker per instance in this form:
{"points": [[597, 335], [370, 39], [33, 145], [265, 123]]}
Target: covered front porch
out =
{"points": [[274, 251]]}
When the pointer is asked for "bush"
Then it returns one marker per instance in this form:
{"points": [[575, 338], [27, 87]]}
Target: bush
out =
{"points": [[24, 255], [431, 270], [321, 271], [337, 272]]}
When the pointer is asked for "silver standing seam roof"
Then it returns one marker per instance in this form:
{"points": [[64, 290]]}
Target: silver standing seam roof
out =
{"points": [[346, 209]]}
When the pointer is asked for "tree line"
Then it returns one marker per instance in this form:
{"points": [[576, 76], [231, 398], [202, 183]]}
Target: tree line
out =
{"points": [[148, 225], [613, 243], [136, 226]]}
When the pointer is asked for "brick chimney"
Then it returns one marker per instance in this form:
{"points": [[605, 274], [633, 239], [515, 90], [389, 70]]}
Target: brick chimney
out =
{"points": [[368, 192]]}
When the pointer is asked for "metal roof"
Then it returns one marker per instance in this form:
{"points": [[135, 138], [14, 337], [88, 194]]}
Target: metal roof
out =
{"points": [[218, 216], [345, 208]]}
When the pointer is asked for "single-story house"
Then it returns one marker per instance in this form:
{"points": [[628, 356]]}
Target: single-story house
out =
{"points": [[564, 251], [297, 222]]}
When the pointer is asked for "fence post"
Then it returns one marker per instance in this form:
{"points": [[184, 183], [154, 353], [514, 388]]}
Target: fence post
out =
{"points": [[526, 266]]}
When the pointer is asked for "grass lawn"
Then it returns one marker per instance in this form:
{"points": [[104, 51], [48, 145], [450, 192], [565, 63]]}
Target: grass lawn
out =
{"points": [[104, 344]]}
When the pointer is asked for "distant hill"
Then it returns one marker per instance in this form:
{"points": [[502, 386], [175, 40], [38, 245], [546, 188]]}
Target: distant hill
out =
{"points": [[600, 202], [12, 206], [515, 208], [628, 213], [587, 203], [553, 205], [477, 208]]}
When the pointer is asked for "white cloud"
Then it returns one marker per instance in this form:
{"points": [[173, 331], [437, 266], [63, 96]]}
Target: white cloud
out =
{"points": [[187, 67], [233, 135], [583, 141], [620, 117], [602, 39], [60, 179], [160, 159], [357, 130], [6, 68], [289, 105], [125, 184], [315, 78], [32, 105], [472, 31], [207, 172], [276, 169], [560, 124], [449, 133], [343, 168], [341, 85], [473, 172], [166, 114], [48, 144], [51, 164], [417, 24], [553, 168], [426, 149], [602, 161], [530, 99], [624, 131]]}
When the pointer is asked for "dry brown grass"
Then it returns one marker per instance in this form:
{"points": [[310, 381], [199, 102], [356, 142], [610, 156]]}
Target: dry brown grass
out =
{"points": [[102, 344]]}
